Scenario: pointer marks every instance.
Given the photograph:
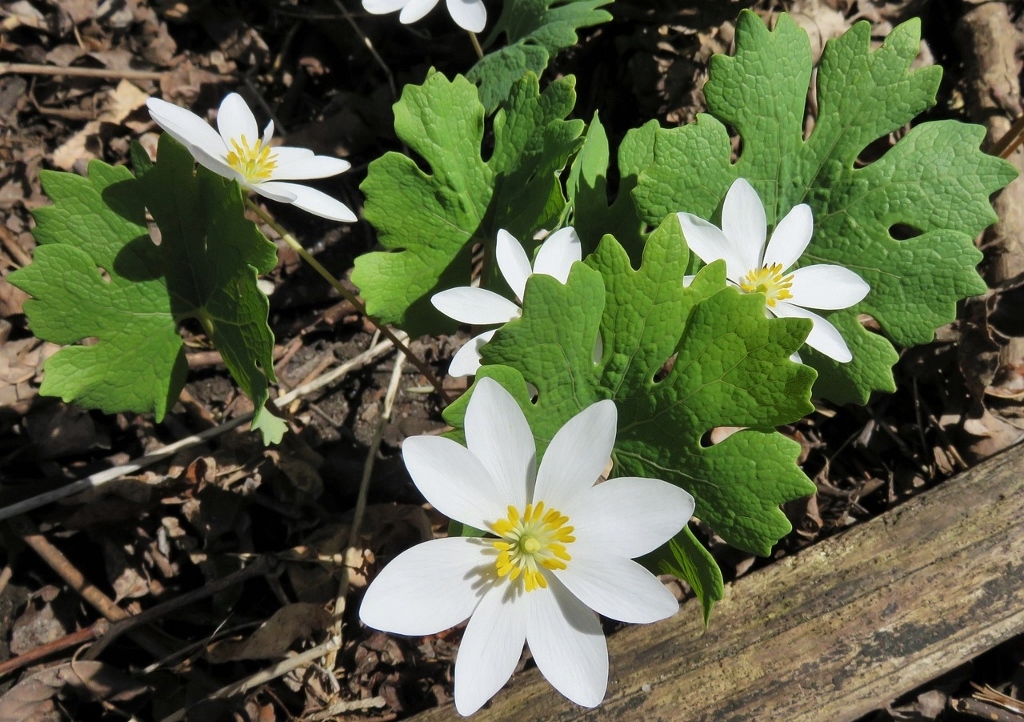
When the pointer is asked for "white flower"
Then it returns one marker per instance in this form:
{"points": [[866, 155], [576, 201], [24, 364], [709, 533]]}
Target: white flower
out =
{"points": [[563, 546], [469, 15], [759, 269], [480, 307], [238, 152]]}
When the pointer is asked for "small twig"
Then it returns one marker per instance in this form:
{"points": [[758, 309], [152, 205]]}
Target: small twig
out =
{"points": [[41, 652], [476, 45], [288, 238], [262, 565], [364, 488], [59, 563], [1010, 140], [369, 46], [984, 710], [67, 571], [36, 69], [278, 670], [100, 478]]}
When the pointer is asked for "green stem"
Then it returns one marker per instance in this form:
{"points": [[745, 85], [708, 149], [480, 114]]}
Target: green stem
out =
{"points": [[288, 238], [476, 45]]}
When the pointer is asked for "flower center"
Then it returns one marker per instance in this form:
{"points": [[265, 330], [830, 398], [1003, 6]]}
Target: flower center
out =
{"points": [[769, 281], [255, 162], [532, 541]]}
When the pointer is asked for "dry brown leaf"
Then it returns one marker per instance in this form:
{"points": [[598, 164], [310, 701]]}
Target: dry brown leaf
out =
{"points": [[288, 625], [120, 102]]}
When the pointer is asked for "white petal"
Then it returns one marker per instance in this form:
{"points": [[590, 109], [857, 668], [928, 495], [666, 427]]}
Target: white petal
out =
{"points": [[235, 120], [380, 7], [280, 192], [475, 306], [469, 15], [285, 154], [498, 435], [744, 222], [490, 649], [428, 588], [558, 253], [452, 479], [630, 516], [512, 262], [415, 9], [576, 456], [567, 643], [824, 337], [710, 244], [318, 166], [827, 287], [217, 165], [311, 200], [466, 360], [616, 587], [268, 133], [186, 127], [790, 237]]}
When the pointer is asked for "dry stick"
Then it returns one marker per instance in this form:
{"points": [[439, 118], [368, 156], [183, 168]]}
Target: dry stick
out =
{"points": [[288, 238], [369, 46], [364, 487], [280, 669], [39, 653], [261, 566], [34, 69], [1010, 140], [100, 478], [59, 563]]}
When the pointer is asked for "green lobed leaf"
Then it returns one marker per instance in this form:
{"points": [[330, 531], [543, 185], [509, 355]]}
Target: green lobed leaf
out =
{"points": [[430, 221], [98, 275], [731, 368], [934, 180], [591, 214], [535, 30]]}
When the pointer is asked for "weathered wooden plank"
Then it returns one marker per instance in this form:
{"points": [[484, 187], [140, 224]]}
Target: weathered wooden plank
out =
{"points": [[831, 633]]}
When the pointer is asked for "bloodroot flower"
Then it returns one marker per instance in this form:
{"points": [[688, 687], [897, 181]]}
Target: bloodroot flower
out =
{"points": [[759, 269], [469, 15], [238, 152], [561, 549], [480, 307]]}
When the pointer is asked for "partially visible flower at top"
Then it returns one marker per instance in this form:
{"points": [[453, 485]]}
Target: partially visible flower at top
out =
{"points": [[469, 15], [238, 152], [756, 268], [561, 547], [480, 307]]}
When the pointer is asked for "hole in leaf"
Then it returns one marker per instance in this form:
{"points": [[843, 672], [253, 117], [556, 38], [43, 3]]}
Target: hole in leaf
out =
{"points": [[873, 151], [705, 439], [103, 273], [666, 369], [903, 232]]}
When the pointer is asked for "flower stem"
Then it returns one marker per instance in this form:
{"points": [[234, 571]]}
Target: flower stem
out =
{"points": [[476, 45], [288, 238]]}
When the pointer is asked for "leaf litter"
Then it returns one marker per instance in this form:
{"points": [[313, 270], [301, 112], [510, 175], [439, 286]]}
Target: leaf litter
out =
{"points": [[187, 526]]}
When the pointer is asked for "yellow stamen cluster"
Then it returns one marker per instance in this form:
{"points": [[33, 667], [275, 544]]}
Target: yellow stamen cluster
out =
{"points": [[769, 281], [531, 541], [256, 162]]}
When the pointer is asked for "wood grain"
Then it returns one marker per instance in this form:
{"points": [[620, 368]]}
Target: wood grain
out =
{"points": [[831, 633]]}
